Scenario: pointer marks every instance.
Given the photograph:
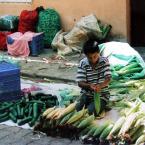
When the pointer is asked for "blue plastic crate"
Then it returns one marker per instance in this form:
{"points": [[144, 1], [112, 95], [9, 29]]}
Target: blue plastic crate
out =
{"points": [[10, 96], [36, 45], [10, 86], [8, 69]]}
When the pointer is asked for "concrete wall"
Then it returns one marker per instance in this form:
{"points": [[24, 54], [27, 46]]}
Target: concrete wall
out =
{"points": [[109, 11], [14, 8]]}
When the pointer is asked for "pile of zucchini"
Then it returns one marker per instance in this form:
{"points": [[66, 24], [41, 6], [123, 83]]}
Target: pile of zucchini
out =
{"points": [[26, 110]]}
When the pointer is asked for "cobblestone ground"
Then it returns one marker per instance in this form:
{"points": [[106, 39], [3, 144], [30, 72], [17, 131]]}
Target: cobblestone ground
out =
{"points": [[17, 136]]}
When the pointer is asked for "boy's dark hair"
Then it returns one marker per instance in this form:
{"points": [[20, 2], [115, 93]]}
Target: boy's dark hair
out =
{"points": [[91, 46]]}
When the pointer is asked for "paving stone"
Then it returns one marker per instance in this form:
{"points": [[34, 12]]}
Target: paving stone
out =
{"points": [[3, 127], [75, 142], [62, 141]]}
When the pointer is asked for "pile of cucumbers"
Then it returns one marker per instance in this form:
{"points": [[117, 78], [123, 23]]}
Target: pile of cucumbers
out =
{"points": [[28, 109]]}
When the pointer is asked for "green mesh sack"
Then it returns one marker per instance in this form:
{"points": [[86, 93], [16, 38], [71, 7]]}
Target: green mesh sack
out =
{"points": [[49, 23], [9, 22]]}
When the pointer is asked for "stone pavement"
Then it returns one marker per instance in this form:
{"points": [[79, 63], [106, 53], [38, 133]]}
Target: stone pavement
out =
{"points": [[63, 70], [55, 69]]}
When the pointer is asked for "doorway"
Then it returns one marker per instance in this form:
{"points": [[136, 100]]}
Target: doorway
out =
{"points": [[137, 22]]}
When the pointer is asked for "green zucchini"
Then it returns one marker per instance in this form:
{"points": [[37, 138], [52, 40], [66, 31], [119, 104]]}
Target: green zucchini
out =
{"points": [[4, 118], [35, 110], [14, 111], [3, 114], [12, 117], [18, 111], [25, 120], [5, 107]]}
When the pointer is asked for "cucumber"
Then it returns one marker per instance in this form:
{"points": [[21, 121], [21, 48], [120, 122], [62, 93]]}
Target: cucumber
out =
{"points": [[25, 120], [35, 110], [33, 121], [30, 110], [4, 118], [14, 111], [5, 107], [12, 117], [22, 113], [18, 111], [3, 114]]}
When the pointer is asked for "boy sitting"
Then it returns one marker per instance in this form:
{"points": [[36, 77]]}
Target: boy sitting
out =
{"points": [[93, 75]]}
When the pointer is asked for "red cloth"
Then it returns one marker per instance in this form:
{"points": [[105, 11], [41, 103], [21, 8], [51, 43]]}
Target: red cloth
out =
{"points": [[3, 37], [27, 21]]}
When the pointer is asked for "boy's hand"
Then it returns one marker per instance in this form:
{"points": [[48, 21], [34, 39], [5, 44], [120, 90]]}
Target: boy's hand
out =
{"points": [[92, 87], [97, 88]]}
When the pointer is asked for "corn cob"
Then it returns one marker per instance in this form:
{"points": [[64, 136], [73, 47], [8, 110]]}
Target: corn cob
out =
{"points": [[46, 112], [129, 121], [137, 134], [67, 110], [86, 121], [133, 131], [117, 126], [97, 102], [55, 116], [134, 109], [140, 140], [92, 130], [77, 116], [76, 124], [100, 129], [133, 70], [66, 118], [106, 132], [139, 121], [127, 68], [51, 114], [86, 130]]}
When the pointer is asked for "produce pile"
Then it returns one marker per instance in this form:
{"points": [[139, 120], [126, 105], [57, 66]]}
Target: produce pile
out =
{"points": [[132, 70], [123, 91], [67, 122], [130, 127], [28, 109]]}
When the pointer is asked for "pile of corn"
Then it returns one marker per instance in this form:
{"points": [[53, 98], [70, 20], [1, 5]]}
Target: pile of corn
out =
{"points": [[131, 70], [67, 122], [130, 128], [127, 90]]}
